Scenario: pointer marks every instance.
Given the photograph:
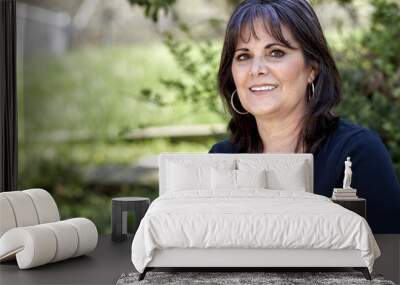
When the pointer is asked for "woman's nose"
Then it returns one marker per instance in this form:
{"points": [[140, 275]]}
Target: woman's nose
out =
{"points": [[258, 67]]}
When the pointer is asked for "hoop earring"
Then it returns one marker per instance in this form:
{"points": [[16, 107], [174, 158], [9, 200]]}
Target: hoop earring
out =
{"points": [[233, 106], [310, 96]]}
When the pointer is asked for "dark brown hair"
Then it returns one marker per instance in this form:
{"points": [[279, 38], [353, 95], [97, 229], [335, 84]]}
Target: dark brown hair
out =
{"points": [[301, 20]]}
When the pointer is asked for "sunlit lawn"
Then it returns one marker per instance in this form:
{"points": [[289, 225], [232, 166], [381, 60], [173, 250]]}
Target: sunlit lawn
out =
{"points": [[98, 90]]}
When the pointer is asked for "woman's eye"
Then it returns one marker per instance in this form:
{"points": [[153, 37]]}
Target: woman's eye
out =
{"points": [[242, 57], [277, 53]]}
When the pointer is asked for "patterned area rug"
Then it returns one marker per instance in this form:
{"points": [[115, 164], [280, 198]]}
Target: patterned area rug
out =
{"points": [[269, 278]]}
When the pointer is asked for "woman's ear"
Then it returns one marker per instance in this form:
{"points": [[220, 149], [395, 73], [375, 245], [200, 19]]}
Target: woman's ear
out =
{"points": [[314, 72]]}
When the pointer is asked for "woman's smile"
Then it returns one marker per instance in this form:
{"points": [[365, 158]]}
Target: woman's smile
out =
{"points": [[262, 89]]}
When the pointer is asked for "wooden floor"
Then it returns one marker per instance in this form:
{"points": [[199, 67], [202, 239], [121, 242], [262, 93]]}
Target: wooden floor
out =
{"points": [[102, 266], [110, 259]]}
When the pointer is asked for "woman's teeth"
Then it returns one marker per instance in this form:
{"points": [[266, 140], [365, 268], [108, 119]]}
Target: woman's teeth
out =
{"points": [[263, 88]]}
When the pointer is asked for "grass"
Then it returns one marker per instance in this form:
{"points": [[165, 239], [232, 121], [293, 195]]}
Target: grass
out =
{"points": [[121, 152], [97, 90]]}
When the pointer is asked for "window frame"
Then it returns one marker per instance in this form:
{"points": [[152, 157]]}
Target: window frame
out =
{"points": [[8, 97]]}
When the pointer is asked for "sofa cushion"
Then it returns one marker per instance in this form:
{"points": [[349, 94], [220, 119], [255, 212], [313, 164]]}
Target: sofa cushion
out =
{"points": [[45, 206], [7, 220], [23, 208]]}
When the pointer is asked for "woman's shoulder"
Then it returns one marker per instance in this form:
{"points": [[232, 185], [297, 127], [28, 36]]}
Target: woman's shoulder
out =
{"points": [[348, 134], [349, 139], [225, 146]]}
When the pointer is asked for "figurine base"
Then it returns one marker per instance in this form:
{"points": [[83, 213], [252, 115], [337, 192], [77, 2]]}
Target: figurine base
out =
{"points": [[344, 194], [344, 190]]}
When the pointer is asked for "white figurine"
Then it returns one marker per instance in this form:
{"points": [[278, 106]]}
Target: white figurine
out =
{"points": [[347, 174]]}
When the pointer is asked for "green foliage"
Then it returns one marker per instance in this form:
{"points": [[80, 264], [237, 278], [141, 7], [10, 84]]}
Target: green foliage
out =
{"points": [[197, 87], [63, 174], [370, 69], [62, 178], [340, 2], [153, 7]]}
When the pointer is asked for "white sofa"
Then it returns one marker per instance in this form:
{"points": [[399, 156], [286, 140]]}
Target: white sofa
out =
{"points": [[31, 231]]}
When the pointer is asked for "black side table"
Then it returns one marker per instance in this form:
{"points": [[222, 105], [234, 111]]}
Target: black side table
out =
{"points": [[357, 205], [120, 208]]}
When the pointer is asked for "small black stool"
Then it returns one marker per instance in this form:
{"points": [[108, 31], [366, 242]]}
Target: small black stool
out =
{"points": [[120, 208]]}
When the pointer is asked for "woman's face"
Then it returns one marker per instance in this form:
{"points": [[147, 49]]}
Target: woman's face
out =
{"points": [[271, 79]]}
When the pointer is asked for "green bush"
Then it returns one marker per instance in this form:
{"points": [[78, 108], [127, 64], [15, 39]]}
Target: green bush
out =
{"points": [[370, 69], [60, 169], [198, 85]]}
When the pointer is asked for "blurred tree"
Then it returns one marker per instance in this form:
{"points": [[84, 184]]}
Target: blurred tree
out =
{"points": [[152, 8], [341, 2], [370, 70], [199, 62]]}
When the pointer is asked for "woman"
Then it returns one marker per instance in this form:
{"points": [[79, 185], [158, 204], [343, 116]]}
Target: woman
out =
{"points": [[280, 84]]}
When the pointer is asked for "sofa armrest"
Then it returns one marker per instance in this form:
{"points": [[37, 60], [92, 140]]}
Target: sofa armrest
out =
{"points": [[40, 244]]}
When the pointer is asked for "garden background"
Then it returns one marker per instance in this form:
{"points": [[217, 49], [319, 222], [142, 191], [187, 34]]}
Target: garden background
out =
{"points": [[105, 86]]}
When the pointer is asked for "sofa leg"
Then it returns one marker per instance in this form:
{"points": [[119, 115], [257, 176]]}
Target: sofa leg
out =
{"points": [[143, 274], [364, 271]]}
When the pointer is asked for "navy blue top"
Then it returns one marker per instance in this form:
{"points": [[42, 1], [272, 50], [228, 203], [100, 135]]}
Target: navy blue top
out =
{"points": [[373, 174]]}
